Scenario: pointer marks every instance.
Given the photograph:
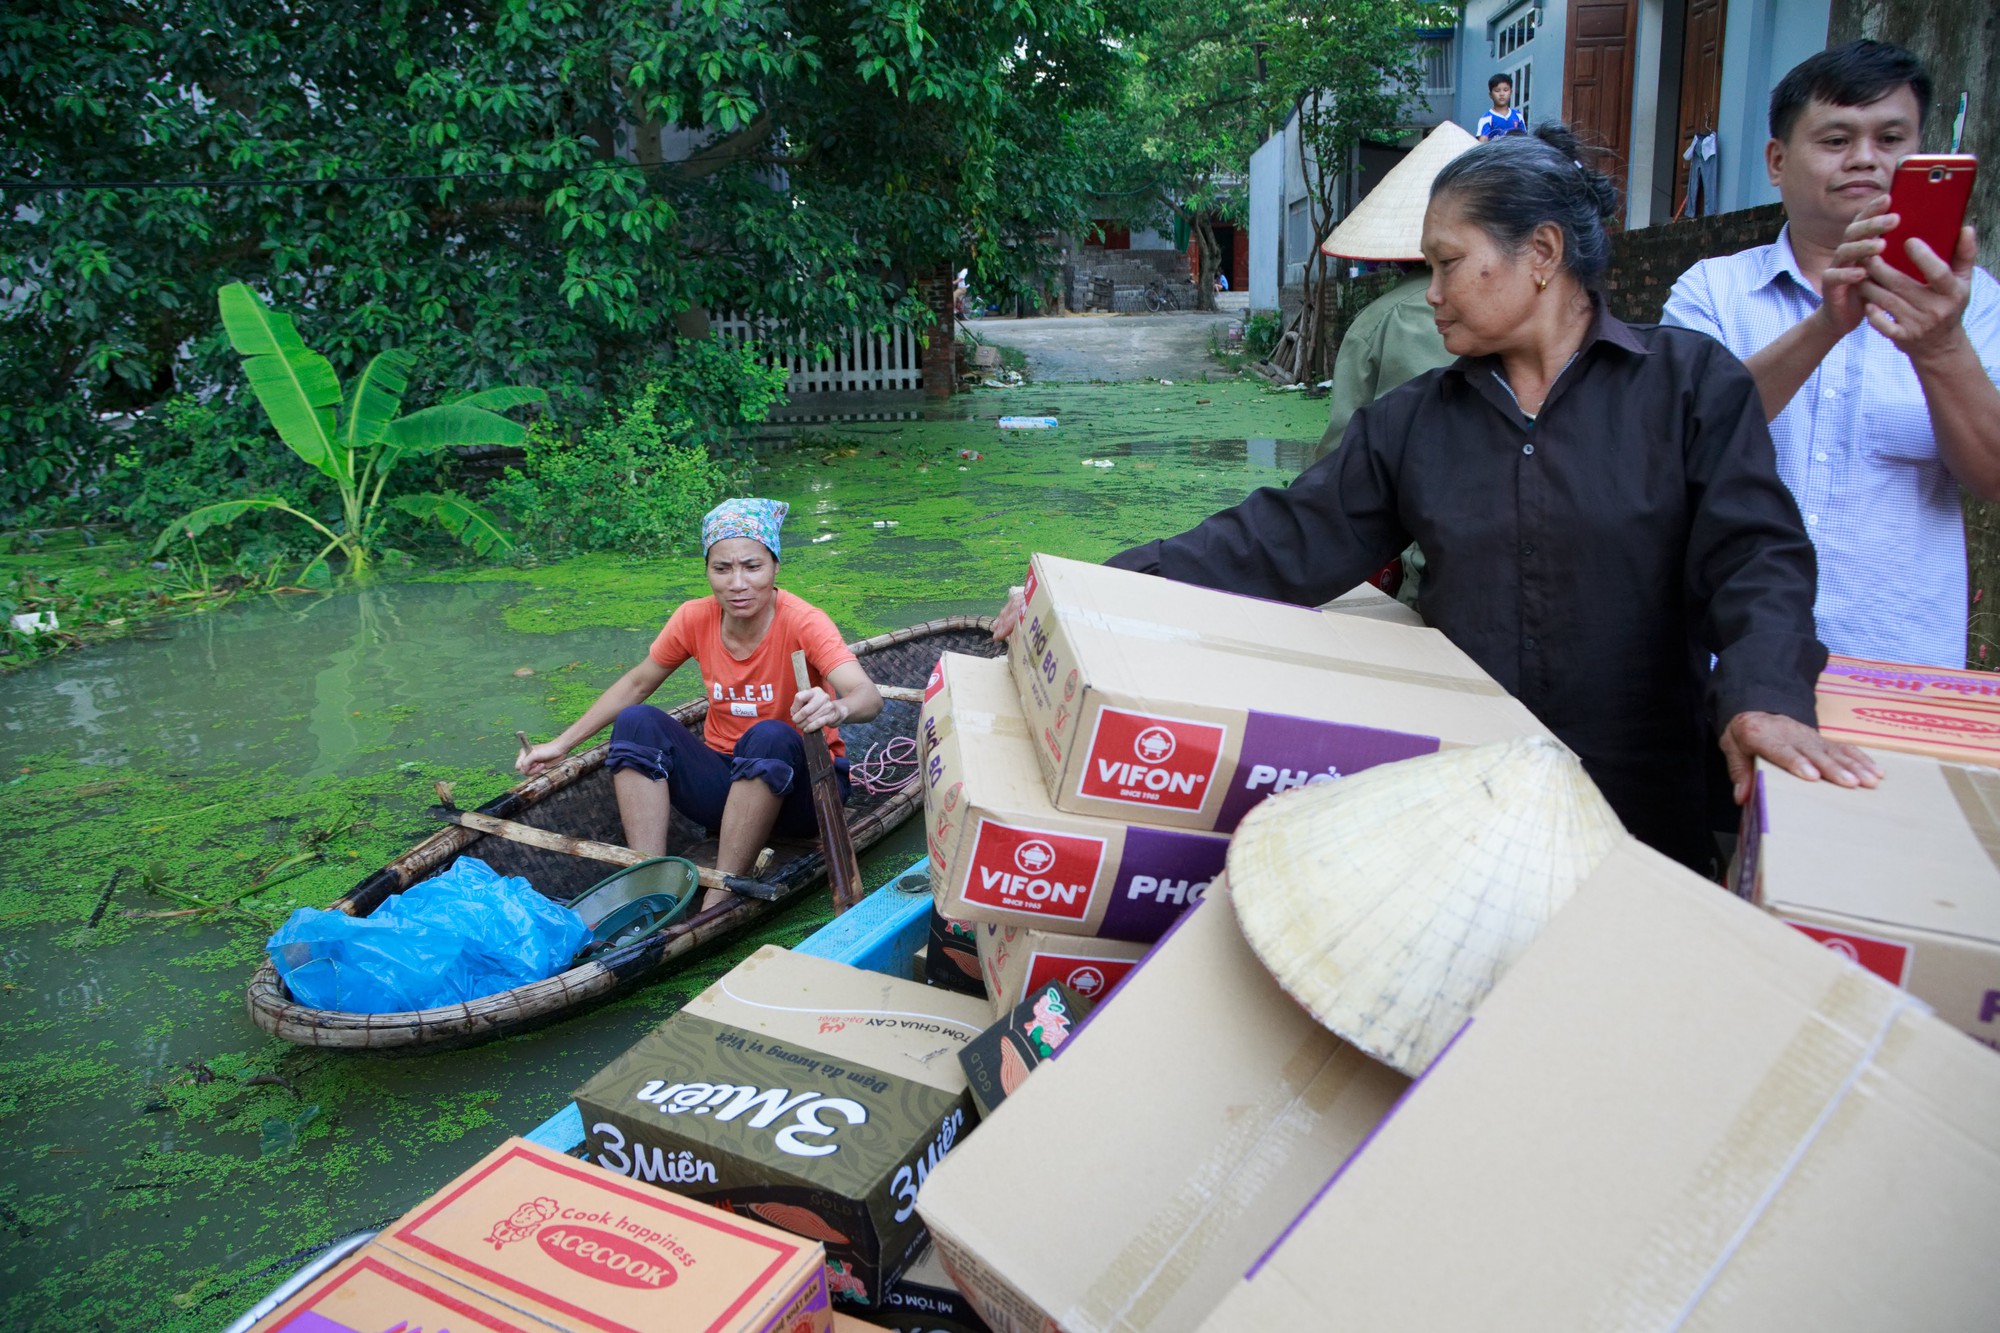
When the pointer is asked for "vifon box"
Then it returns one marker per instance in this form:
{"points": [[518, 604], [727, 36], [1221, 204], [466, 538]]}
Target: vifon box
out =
{"points": [[1002, 854], [1163, 703], [801, 1092]]}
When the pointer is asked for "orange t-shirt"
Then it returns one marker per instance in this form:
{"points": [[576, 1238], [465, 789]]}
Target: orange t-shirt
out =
{"points": [[761, 686]]}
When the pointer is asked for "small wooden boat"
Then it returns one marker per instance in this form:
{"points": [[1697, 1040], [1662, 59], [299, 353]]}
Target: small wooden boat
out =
{"points": [[574, 799]]}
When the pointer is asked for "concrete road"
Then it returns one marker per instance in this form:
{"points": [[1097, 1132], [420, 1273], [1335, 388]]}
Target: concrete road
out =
{"points": [[1171, 346]]}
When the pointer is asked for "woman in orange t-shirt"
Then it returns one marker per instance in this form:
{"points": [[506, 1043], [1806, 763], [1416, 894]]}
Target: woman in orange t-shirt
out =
{"points": [[745, 776]]}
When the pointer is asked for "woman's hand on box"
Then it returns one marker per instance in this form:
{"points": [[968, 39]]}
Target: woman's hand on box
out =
{"points": [[1795, 747], [1011, 613]]}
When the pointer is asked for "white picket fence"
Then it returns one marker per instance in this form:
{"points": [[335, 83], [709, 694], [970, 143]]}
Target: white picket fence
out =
{"points": [[864, 362]]}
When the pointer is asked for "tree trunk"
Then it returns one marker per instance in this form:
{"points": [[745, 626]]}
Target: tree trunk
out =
{"points": [[941, 340], [1208, 260]]}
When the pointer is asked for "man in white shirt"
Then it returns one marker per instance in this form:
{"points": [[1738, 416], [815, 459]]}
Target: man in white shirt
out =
{"points": [[1881, 390]]}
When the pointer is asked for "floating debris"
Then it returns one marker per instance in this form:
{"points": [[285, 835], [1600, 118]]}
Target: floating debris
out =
{"points": [[1028, 423]]}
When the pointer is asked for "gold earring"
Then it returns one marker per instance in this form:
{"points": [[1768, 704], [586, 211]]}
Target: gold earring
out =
{"points": [[1541, 284]]}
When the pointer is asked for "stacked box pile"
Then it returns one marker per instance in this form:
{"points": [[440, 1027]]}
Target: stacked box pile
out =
{"points": [[803, 1094], [1077, 799]]}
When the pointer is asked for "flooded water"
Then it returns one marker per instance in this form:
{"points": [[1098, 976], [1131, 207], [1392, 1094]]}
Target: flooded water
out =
{"points": [[163, 1162], [315, 686]]}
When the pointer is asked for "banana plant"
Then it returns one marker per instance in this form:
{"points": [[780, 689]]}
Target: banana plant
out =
{"points": [[355, 440]]}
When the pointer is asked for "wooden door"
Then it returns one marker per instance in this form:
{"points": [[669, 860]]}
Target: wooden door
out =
{"points": [[1701, 83], [1597, 80]]}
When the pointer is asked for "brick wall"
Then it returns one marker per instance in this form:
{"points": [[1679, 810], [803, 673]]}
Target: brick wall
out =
{"points": [[1129, 271], [1646, 263]]}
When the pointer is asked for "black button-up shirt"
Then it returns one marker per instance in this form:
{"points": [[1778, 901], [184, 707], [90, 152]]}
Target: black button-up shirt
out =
{"points": [[1591, 559]]}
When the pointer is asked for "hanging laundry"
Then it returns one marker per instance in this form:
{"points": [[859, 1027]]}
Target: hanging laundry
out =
{"points": [[1704, 159]]}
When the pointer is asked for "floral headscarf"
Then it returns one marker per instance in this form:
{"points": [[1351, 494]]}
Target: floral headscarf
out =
{"points": [[756, 519]]}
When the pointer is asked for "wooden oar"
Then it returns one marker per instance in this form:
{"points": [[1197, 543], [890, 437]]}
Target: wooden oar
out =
{"points": [[609, 853], [841, 867]]}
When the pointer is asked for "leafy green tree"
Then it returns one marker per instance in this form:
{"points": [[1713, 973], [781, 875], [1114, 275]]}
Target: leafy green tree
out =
{"points": [[1191, 106], [518, 191], [358, 448], [1351, 73]]}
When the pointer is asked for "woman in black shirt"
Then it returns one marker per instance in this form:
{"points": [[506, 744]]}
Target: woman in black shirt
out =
{"points": [[1598, 504]]}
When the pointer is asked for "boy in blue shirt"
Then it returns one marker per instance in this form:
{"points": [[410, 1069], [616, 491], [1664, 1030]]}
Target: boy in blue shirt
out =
{"points": [[1500, 121]]}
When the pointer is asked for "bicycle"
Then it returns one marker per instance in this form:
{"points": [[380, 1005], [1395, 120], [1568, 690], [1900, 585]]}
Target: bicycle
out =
{"points": [[1162, 295]]}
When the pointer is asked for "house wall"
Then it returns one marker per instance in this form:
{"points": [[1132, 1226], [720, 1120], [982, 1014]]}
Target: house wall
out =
{"points": [[1267, 207], [1478, 62], [1761, 40]]}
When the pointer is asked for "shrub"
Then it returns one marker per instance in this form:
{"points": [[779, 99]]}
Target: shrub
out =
{"points": [[640, 478], [191, 454], [1261, 332]]}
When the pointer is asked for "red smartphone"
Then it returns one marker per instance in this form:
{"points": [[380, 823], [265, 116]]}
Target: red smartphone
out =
{"points": [[1929, 193]]}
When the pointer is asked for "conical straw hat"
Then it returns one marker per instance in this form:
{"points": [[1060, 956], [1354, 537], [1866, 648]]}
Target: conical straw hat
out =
{"points": [[1389, 223], [1389, 903]]}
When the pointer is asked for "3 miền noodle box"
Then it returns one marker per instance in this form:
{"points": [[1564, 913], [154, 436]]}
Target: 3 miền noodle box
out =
{"points": [[564, 1244], [925, 1300], [1016, 960], [1900, 878], [1920, 710], [801, 1092], [1671, 1113], [1131, 1181], [1182, 706], [1000, 852]]}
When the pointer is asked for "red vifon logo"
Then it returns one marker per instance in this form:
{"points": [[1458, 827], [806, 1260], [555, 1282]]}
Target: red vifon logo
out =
{"points": [[1033, 872], [1142, 759]]}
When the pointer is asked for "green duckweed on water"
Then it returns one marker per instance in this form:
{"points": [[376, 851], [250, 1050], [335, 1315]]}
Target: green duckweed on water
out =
{"points": [[164, 804]]}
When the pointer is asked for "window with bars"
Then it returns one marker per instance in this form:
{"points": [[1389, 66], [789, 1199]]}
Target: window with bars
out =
{"points": [[1516, 33], [1523, 76], [1439, 59]]}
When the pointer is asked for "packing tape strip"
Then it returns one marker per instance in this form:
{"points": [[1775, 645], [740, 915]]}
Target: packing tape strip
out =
{"points": [[1011, 725], [1977, 791], [1142, 1281], [1689, 1251], [1130, 628]]}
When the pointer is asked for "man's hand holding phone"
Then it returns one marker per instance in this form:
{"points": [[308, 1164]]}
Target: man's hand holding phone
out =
{"points": [[1890, 270]]}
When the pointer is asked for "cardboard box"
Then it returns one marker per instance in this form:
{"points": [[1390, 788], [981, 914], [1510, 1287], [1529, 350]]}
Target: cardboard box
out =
{"points": [[1901, 878], [1001, 852], [802, 1092], [924, 1300], [1921, 710], [951, 955], [1672, 1113], [1135, 1177], [1147, 699], [552, 1239], [1016, 960], [1370, 602], [373, 1290], [1000, 1059]]}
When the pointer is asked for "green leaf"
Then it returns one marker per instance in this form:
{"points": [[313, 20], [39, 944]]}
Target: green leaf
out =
{"points": [[211, 516], [460, 517], [502, 398], [297, 387], [441, 427], [376, 398]]}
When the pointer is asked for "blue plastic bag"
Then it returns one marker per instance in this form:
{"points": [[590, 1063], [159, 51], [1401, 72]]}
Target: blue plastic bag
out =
{"points": [[462, 935]]}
